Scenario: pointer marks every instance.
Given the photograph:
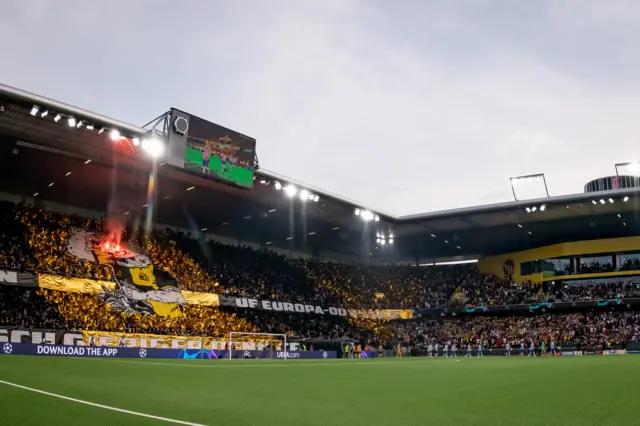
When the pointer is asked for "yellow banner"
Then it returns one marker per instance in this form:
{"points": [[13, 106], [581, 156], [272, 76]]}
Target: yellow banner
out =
{"points": [[394, 313], [202, 299], [82, 285], [74, 285], [135, 340]]}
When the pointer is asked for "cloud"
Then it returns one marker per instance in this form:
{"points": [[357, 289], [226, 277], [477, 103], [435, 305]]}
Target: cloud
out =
{"points": [[420, 107]]}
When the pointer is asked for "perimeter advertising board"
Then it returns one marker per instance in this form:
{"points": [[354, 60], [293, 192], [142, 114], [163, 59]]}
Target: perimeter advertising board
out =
{"points": [[208, 149]]}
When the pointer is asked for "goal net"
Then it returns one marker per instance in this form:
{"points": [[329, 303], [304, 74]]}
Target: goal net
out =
{"points": [[257, 345]]}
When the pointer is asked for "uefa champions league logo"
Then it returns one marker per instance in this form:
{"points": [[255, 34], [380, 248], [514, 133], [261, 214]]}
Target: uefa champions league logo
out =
{"points": [[325, 354], [7, 348], [142, 353]]}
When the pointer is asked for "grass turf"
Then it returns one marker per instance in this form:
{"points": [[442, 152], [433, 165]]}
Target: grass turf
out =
{"points": [[591, 390]]}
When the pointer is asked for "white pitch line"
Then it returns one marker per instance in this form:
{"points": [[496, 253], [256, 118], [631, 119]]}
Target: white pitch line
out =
{"points": [[106, 407]]}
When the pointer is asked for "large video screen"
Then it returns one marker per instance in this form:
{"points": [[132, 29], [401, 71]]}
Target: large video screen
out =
{"points": [[218, 152]]}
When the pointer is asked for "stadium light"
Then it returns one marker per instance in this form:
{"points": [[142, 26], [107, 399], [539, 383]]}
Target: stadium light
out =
{"points": [[136, 141], [290, 190], [543, 207], [57, 118], [357, 212], [153, 146], [367, 216], [44, 113], [625, 199], [80, 124], [34, 110], [518, 181], [390, 240], [278, 186], [72, 122], [304, 195]]}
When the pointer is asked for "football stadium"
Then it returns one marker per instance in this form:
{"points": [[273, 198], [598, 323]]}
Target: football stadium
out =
{"points": [[159, 275]]}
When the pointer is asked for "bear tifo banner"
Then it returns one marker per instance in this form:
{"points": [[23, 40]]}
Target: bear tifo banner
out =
{"points": [[280, 306], [140, 287]]}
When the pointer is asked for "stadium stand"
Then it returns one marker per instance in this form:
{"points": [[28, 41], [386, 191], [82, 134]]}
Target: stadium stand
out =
{"points": [[197, 249]]}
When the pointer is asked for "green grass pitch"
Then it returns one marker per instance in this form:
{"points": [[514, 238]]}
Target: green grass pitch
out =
{"points": [[236, 174], [591, 390]]}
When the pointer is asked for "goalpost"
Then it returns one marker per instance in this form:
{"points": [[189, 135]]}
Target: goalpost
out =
{"points": [[266, 339]]}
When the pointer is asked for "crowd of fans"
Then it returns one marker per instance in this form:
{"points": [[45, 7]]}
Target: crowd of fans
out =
{"points": [[33, 239], [582, 330]]}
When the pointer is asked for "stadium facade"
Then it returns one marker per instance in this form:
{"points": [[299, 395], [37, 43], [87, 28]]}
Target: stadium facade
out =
{"points": [[65, 158]]}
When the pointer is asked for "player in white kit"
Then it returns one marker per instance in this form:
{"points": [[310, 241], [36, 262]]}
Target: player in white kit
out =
{"points": [[445, 350], [454, 351], [507, 348], [469, 349], [430, 350], [437, 349]]}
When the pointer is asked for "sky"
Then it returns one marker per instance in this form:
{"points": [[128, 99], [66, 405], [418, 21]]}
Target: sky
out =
{"points": [[405, 107]]}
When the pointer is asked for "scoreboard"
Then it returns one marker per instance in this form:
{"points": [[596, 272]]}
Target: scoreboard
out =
{"points": [[205, 148]]}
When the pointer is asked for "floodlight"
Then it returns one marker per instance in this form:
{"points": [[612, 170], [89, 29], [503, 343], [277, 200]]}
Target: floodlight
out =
{"points": [[594, 201], [57, 118], [611, 200], [528, 210], [136, 141], [625, 199], [382, 242], [316, 198], [34, 110], [390, 240], [153, 146], [378, 240], [357, 212], [367, 216], [80, 124], [290, 190], [543, 207], [377, 218], [534, 208], [278, 186], [304, 195], [72, 122], [602, 201], [89, 126], [44, 113], [114, 135]]}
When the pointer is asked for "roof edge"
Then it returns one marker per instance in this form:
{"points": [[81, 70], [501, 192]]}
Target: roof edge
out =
{"points": [[491, 208]]}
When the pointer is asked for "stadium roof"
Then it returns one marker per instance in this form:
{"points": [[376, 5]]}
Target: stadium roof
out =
{"points": [[38, 151]]}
